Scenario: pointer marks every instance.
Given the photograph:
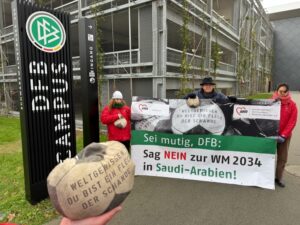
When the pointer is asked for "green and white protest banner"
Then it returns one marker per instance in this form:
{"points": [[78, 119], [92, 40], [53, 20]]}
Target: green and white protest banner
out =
{"points": [[212, 142]]}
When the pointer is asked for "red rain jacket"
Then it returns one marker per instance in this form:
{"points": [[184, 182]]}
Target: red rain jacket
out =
{"points": [[109, 117], [288, 116]]}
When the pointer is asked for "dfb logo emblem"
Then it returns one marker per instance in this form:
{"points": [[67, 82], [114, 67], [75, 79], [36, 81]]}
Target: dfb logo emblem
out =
{"points": [[45, 31]]}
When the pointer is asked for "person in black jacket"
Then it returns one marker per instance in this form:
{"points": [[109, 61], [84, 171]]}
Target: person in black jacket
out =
{"points": [[207, 91]]}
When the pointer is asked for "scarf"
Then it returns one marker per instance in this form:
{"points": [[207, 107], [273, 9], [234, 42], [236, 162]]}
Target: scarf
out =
{"points": [[284, 99], [118, 105], [208, 95]]}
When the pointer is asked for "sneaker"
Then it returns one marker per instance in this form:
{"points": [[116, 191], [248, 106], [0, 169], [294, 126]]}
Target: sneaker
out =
{"points": [[279, 183]]}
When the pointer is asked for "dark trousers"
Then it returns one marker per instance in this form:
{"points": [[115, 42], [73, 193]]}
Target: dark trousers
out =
{"points": [[282, 156]]}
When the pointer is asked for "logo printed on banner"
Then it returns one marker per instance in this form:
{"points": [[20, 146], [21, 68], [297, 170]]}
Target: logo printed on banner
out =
{"points": [[45, 31], [150, 108], [240, 110], [270, 111], [143, 107]]}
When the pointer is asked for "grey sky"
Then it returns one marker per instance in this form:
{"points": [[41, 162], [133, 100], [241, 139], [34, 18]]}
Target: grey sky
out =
{"points": [[270, 3]]}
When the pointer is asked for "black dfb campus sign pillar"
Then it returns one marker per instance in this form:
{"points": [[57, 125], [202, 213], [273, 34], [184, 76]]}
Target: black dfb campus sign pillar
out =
{"points": [[89, 83], [44, 67]]}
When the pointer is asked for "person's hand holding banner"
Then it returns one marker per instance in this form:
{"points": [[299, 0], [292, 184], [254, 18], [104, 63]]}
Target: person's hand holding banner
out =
{"points": [[278, 138]]}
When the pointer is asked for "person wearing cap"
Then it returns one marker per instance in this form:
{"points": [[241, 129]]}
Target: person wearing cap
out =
{"points": [[207, 91], [116, 115]]}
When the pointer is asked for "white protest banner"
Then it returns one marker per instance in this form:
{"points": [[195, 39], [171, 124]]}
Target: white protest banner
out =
{"points": [[225, 159], [206, 143], [257, 111]]}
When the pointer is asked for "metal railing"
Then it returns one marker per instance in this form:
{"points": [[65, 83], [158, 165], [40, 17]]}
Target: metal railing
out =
{"points": [[68, 7], [121, 57], [12, 69], [222, 66], [222, 20], [7, 30], [226, 67], [92, 2], [7, 38], [200, 4], [175, 56], [113, 58], [197, 8], [105, 4]]}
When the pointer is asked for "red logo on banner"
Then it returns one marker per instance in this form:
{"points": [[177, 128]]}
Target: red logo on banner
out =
{"points": [[240, 110], [143, 107]]}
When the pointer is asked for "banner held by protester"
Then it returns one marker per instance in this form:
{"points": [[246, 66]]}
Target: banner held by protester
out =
{"points": [[219, 142]]}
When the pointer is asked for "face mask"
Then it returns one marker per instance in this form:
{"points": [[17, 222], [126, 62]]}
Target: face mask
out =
{"points": [[118, 105]]}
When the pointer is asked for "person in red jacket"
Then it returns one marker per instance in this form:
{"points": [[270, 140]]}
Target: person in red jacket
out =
{"points": [[288, 120], [116, 115]]}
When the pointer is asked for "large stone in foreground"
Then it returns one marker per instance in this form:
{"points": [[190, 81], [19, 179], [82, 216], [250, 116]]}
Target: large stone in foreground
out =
{"points": [[98, 179]]}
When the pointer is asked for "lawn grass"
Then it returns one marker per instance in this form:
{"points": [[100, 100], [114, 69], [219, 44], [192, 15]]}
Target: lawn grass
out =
{"points": [[260, 96], [9, 129], [13, 205]]}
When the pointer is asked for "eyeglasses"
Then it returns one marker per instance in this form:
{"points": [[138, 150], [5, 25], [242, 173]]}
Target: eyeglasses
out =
{"points": [[282, 92]]}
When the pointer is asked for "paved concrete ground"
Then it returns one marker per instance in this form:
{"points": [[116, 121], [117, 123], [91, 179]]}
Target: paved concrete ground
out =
{"points": [[165, 201], [293, 166]]}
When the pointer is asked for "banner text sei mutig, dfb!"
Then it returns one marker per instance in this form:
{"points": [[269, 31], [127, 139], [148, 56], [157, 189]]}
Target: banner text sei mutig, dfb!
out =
{"points": [[182, 141]]}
